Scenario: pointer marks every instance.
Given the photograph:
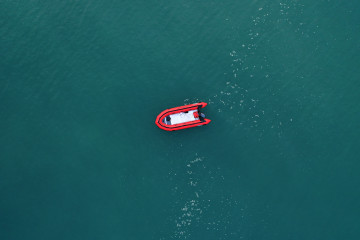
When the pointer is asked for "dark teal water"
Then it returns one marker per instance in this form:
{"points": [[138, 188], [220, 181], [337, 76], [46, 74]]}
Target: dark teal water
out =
{"points": [[82, 82]]}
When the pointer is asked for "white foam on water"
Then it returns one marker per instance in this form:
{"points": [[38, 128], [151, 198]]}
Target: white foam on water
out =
{"points": [[196, 212], [247, 105], [193, 208]]}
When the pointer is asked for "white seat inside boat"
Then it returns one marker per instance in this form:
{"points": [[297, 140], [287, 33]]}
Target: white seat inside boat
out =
{"points": [[183, 117]]}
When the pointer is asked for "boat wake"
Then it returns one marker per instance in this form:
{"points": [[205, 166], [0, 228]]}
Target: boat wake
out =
{"points": [[250, 82], [198, 210]]}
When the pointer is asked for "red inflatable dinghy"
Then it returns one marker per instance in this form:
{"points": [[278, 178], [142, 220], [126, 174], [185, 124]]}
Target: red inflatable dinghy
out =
{"points": [[182, 117]]}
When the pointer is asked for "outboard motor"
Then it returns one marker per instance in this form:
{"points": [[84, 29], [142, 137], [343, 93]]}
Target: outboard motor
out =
{"points": [[202, 116]]}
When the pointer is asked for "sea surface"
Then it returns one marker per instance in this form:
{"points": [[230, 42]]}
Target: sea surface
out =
{"points": [[81, 83]]}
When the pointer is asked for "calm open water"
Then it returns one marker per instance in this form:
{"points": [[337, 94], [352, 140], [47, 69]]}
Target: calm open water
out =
{"points": [[81, 83]]}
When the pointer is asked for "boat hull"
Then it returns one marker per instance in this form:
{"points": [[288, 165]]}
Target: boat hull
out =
{"points": [[188, 123]]}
